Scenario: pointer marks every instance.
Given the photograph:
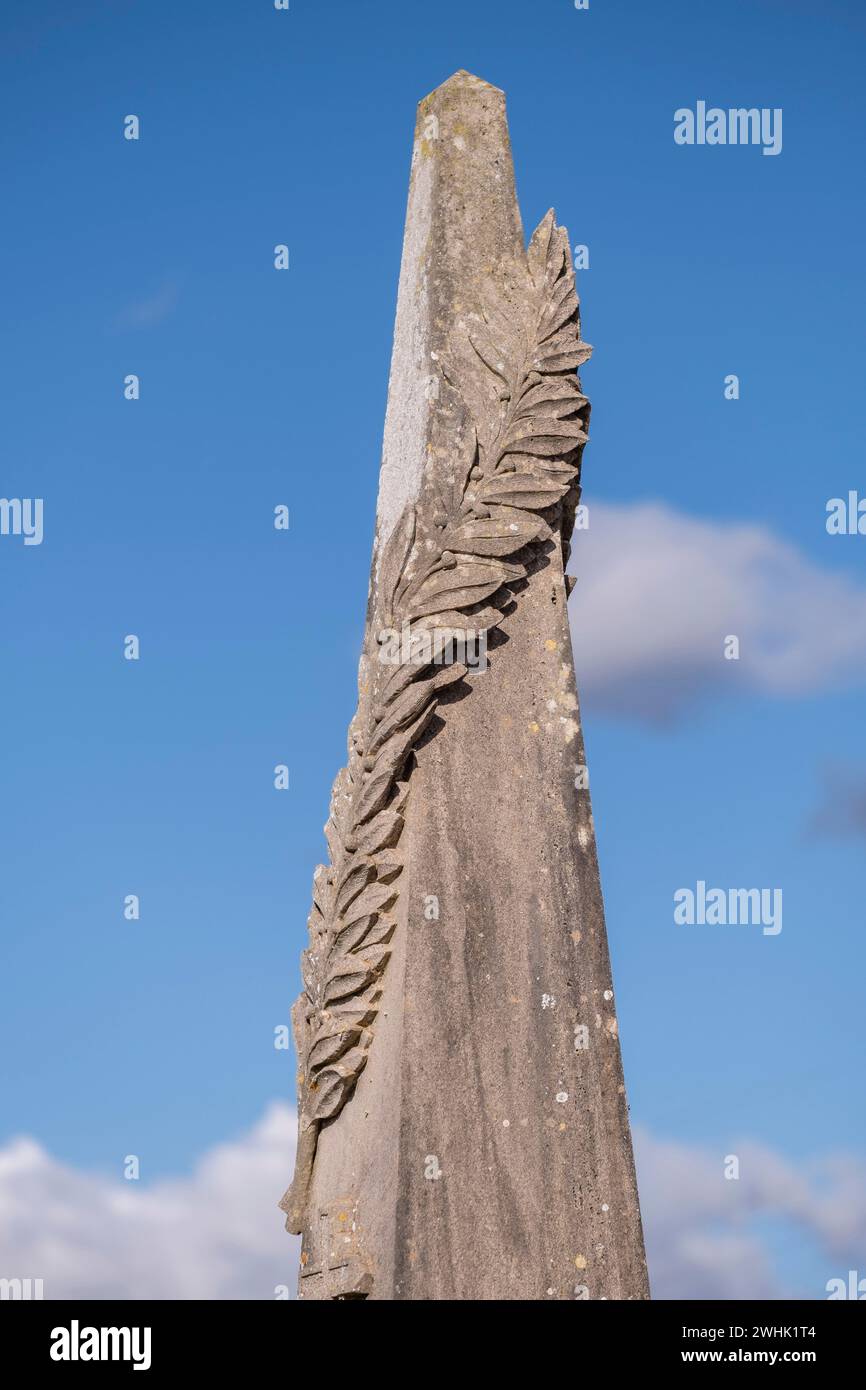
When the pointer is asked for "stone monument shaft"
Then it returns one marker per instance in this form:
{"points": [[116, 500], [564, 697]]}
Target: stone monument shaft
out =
{"points": [[463, 1126]]}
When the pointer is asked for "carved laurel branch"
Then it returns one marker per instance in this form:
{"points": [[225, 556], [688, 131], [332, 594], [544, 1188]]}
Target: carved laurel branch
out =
{"points": [[446, 566]]}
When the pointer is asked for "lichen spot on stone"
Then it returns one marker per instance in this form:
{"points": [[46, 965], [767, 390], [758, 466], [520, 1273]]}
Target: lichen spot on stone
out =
{"points": [[550, 645], [579, 1262], [533, 727]]}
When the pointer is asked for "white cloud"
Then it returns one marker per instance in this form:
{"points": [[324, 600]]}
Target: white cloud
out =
{"points": [[705, 1233], [659, 591], [215, 1234], [218, 1233]]}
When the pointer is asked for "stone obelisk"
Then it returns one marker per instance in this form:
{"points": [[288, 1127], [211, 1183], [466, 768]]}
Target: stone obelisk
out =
{"points": [[463, 1127]]}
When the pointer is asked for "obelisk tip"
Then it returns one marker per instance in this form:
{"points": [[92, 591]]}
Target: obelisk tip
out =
{"points": [[466, 80]]}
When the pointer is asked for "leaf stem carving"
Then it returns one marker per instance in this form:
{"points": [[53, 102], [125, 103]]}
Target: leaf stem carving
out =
{"points": [[445, 565]]}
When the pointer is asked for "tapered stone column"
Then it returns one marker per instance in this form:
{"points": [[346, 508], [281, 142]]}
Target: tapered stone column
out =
{"points": [[464, 1130]]}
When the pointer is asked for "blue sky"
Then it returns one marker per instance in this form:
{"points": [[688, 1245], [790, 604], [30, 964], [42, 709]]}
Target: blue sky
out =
{"points": [[261, 387]]}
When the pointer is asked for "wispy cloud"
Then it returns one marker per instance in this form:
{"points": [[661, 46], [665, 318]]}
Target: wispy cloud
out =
{"points": [[842, 811], [151, 309], [704, 1232], [218, 1234], [659, 591]]}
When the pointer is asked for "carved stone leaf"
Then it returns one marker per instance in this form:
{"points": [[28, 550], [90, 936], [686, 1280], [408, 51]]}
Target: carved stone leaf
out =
{"points": [[563, 353], [550, 445], [341, 796], [389, 761], [345, 982], [497, 535], [337, 833], [538, 252], [545, 435], [558, 296], [354, 934], [466, 455], [403, 675], [351, 974], [491, 353], [557, 469], [556, 395], [328, 1046], [331, 1093], [334, 839], [564, 361], [373, 899], [393, 754], [316, 926], [563, 422], [507, 568], [389, 865], [351, 1011], [560, 470], [334, 1084], [409, 704], [401, 712], [566, 339], [455, 588], [352, 882], [339, 819], [477, 390], [558, 259], [333, 1021], [394, 557], [310, 975], [377, 790], [563, 306], [381, 932], [323, 889], [381, 832], [504, 316], [526, 490], [300, 1016], [468, 621]]}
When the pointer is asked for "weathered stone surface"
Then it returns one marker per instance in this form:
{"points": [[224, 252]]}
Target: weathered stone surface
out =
{"points": [[461, 1091]]}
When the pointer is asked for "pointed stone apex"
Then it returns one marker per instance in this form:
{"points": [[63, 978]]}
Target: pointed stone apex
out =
{"points": [[466, 80]]}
